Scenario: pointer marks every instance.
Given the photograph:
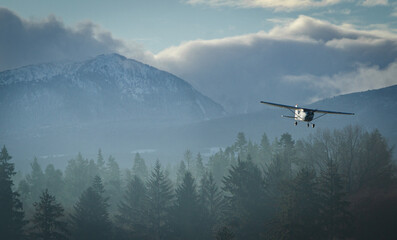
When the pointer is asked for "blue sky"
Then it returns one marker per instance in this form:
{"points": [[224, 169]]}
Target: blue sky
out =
{"points": [[237, 52]]}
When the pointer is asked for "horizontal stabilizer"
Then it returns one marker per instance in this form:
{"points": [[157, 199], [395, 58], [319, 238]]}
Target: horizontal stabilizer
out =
{"points": [[288, 116]]}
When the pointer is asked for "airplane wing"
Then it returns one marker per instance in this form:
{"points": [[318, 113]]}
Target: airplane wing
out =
{"points": [[309, 109], [331, 112], [280, 105]]}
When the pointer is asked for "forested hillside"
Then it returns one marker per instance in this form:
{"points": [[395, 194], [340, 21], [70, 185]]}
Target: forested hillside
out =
{"points": [[338, 184]]}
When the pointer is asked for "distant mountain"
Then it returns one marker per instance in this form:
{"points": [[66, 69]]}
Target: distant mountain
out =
{"points": [[373, 109], [107, 88]]}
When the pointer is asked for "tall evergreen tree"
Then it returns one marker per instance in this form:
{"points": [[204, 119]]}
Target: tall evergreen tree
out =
{"points": [[335, 218], [47, 219], [186, 211], [199, 169], [188, 158], [100, 163], [212, 203], [139, 168], [54, 180], [286, 153], [219, 163], [133, 209], [246, 200], [300, 209], [91, 219], [11, 211], [240, 145], [265, 148], [375, 167], [36, 180], [76, 179], [180, 174], [160, 196], [113, 183]]}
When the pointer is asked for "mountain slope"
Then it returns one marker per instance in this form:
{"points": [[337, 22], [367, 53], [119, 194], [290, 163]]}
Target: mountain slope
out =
{"points": [[105, 88]]}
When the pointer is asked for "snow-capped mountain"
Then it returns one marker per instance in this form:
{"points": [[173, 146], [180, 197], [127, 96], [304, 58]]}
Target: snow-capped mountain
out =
{"points": [[102, 89]]}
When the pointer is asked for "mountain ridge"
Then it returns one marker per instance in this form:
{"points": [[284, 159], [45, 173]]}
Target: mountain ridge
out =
{"points": [[107, 87]]}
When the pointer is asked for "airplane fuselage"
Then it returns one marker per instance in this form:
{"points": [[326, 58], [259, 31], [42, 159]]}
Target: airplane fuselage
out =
{"points": [[304, 115]]}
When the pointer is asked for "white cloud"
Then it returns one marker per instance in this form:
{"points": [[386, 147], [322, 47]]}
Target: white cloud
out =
{"points": [[372, 3], [239, 71], [281, 5], [362, 79]]}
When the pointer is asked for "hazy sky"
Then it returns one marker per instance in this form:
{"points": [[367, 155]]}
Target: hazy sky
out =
{"points": [[235, 51]]}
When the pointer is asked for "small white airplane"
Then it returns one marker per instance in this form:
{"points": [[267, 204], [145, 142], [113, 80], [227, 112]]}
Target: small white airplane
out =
{"points": [[304, 114]]}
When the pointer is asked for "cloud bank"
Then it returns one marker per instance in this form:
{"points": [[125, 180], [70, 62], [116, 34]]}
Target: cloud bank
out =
{"points": [[280, 5], [24, 42], [297, 62]]}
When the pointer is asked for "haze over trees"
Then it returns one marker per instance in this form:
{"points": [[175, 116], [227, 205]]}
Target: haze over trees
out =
{"points": [[337, 184]]}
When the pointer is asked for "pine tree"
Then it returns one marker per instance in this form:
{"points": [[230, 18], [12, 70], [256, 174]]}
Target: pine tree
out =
{"points": [[180, 173], [188, 158], [200, 169], [335, 217], [11, 211], [54, 180], [265, 148], [76, 179], [47, 223], [300, 208], [139, 168], [245, 197], [186, 211], [133, 209], [160, 196], [112, 182], [219, 163], [91, 219], [36, 181], [100, 163], [241, 145], [212, 203]]}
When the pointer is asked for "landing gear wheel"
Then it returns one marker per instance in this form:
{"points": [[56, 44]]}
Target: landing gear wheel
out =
{"points": [[308, 124], [295, 123], [313, 125]]}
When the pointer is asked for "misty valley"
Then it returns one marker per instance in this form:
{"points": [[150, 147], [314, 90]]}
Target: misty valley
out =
{"points": [[338, 184]]}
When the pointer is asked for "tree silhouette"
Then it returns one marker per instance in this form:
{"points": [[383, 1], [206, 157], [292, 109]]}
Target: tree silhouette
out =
{"points": [[160, 196], [139, 168], [300, 208], [199, 168], [186, 211], [335, 218], [11, 212], [91, 219], [246, 200], [36, 181], [213, 205], [47, 223], [133, 209]]}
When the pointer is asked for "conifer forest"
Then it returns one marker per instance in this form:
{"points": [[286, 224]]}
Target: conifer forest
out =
{"points": [[338, 184]]}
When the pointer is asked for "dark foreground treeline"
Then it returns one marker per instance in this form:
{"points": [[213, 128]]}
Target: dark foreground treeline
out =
{"points": [[333, 185]]}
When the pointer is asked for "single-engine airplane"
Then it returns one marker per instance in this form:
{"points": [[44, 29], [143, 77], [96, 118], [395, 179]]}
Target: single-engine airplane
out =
{"points": [[304, 114]]}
